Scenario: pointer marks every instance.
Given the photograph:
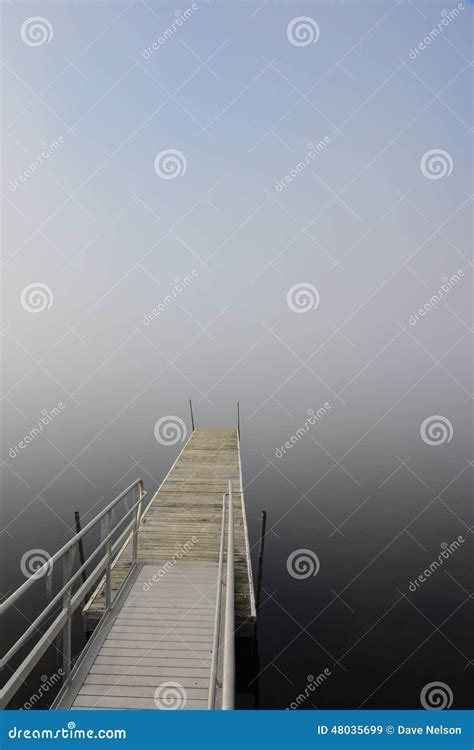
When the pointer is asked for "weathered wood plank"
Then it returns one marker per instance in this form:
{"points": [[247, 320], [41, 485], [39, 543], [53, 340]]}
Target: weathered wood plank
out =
{"points": [[186, 507], [141, 670], [140, 680], [92, 702], [135, 691], [162, 658], [167, 635], [180, 651], [164, 630]]}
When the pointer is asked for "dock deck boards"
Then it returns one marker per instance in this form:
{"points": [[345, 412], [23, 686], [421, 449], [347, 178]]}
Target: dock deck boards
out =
{"points": [[163, 630], [188, 505], [157, 652]]}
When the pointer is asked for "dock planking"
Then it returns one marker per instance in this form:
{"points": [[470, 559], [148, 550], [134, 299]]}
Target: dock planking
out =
{"points": [[187, 505], [163, 630], [140, 659]]}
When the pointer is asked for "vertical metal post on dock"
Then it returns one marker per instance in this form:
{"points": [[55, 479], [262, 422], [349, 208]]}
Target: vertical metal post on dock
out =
{"points": [[137, 496], [192, 415], [80, 545], [66, 649], [260, 556], [108, 570], [238, 419]]}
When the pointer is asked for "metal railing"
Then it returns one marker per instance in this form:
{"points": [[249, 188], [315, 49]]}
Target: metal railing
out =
{"points": [[65, 599], [222, 672]]}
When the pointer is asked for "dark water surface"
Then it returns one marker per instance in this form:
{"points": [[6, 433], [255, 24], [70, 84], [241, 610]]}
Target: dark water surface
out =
{"points": [[356, 621]]}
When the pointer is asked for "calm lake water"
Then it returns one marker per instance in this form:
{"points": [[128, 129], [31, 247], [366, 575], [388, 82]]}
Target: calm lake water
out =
{"points": [[356, 622]]}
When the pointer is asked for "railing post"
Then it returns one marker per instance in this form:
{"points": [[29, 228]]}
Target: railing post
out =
{"points": [[192, 415], [137, 496], [61, 625], [228, 687], [238, 419], [108, 569], [67, 629], [80, 544], [260, 557]]}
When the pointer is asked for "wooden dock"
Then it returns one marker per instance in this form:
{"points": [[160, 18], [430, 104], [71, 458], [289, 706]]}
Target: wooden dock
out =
{"points": [[156, 652], [157, 646]]}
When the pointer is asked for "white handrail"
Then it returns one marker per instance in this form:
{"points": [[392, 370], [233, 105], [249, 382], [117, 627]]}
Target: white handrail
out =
{"points": [[71, 543], [228, 675], [224, 652], [70, 602]]}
